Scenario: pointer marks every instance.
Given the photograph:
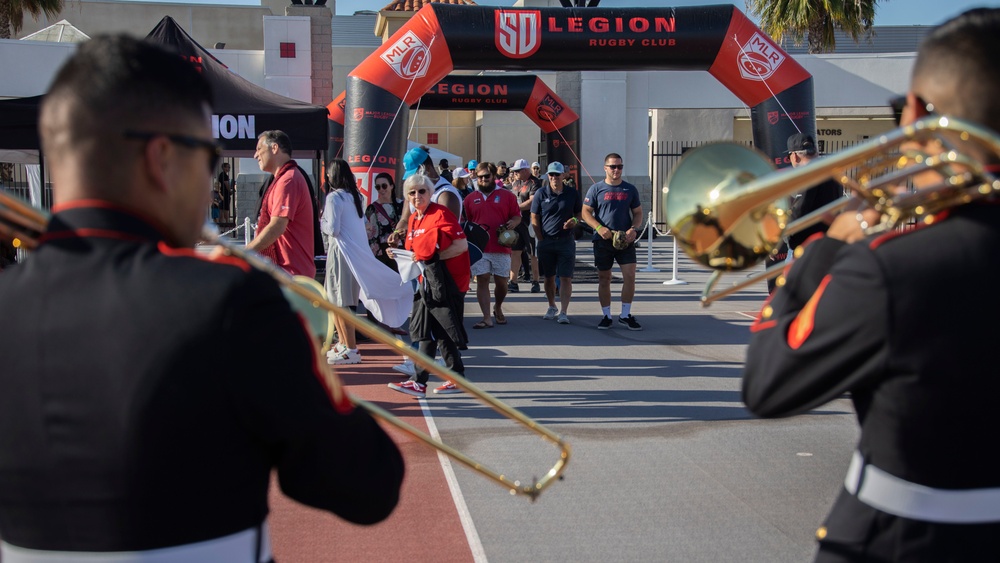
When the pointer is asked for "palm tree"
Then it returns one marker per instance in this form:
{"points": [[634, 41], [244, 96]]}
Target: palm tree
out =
{"points": [[12, 13], [814, 19]]}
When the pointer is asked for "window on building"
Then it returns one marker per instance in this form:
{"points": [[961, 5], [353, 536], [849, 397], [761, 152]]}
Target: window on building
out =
{"points": [[432, 138], [287, 50]]}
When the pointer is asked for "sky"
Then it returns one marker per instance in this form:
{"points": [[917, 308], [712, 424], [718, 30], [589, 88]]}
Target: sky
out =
{"points": [[889, 12]]}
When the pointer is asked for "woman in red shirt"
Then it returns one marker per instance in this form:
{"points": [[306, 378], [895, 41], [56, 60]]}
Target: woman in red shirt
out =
{"points": [[436, 239]]}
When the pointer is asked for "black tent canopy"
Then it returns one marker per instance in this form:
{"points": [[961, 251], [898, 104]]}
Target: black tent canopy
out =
{"points": [[243, 109]]}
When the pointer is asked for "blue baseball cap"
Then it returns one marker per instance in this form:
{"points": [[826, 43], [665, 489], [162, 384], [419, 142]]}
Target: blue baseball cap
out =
{"points": [[472, 165], [556, 168], [412, 161]]}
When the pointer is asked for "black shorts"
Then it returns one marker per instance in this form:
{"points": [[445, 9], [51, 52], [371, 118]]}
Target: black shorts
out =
{"points": [[524, 240], [557, 257], [605, 255]]}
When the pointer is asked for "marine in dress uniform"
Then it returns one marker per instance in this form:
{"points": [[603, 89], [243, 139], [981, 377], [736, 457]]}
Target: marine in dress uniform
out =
{"points": [[149, 391], [895, 320]]}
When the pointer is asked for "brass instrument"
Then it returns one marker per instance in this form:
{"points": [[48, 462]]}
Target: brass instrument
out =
{"points": [[728, 210], [24, 224]]}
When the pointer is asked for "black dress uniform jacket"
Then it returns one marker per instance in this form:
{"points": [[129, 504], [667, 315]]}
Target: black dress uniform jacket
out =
{"points": [[903, 322], [146, 393]]}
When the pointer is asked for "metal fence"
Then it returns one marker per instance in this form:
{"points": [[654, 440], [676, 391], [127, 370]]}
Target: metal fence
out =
{"points": [[14, 179], [664, 156]]}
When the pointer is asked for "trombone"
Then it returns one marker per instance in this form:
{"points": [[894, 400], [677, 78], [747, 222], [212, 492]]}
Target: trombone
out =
{"points": [[728, 209], [23, 225]]}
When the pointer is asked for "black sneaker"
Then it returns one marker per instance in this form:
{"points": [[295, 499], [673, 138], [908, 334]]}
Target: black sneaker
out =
{"points": [[605, 324], [535, 288], [630, 322], [512, 288]]}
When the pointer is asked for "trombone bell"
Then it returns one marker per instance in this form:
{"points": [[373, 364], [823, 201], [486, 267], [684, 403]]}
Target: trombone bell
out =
{"points": [[706, 206]]}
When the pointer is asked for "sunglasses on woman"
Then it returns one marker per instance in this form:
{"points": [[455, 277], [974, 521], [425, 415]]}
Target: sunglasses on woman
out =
{"points": [[421, 191], [381, 186]]}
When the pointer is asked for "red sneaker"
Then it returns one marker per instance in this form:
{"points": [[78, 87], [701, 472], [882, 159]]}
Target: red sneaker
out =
{"points": [[418, 390], [447, 388]]}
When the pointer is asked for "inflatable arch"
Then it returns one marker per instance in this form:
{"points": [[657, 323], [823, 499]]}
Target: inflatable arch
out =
{"points": [[443, 37], [525, 93]]}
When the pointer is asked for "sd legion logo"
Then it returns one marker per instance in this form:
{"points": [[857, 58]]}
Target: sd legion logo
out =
{"points": [[759, 58], [408, 57], [518, 32]]}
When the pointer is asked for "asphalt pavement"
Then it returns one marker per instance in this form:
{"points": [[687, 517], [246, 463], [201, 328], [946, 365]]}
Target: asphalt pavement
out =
{"points": [[667, 463]]}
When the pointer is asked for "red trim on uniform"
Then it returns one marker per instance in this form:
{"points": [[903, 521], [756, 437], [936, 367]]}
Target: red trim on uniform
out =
{"points": [[322, 370], [758, 326], [91, 233], [746, 46], [880, 240], [225, 259], [104, 204], [804, 322], [812, 237], [78, 203]]}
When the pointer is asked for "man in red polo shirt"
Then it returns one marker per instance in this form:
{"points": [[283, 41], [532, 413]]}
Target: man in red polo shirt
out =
{"points": [[491, 207], [285, 225]]}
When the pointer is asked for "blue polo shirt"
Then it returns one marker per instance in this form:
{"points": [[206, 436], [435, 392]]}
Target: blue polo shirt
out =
{"points": [[613, 205], [555, 209]]}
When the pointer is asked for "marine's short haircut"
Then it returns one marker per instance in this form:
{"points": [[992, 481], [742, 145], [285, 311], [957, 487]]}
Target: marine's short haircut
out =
{"points": [[112, 84], [613, 155], [962, 56]]}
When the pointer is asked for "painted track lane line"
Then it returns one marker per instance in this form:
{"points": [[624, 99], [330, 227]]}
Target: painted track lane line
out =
{"points": [[478, 553]]}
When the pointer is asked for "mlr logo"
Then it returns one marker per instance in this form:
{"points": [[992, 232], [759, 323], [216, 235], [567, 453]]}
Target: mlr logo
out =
{"points": [[518, 32], [759, 58], [408, 56], [548, 109]]}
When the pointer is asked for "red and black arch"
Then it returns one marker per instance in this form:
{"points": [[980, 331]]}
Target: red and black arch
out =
{"points": [[526, 93], [443, 37]]}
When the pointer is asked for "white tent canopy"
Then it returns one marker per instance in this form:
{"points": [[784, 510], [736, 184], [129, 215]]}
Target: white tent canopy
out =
{"points": [[454, 160]]}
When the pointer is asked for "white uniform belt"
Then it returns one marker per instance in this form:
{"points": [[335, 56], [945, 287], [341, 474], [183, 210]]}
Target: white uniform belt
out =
{"points": [[241, 546], [893, 495]]}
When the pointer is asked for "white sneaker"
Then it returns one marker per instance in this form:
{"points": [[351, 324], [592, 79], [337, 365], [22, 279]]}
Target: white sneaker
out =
{"points": [[337, 350], [407, 368], [563, 319], [349, 357], [550, 313]]}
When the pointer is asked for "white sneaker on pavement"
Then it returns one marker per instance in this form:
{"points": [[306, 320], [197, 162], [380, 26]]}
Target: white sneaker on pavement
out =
{"points": [[349, 357]]}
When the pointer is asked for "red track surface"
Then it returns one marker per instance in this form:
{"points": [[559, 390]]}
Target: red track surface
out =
{"points": [[425, 525]]}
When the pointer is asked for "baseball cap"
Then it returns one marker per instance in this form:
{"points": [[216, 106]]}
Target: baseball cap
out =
{"points": [[501, 163], [556, 168], [461, 173], [519, 164], [802, 142], [535, 165], [472, 165], [412, 161], [444, 162]]}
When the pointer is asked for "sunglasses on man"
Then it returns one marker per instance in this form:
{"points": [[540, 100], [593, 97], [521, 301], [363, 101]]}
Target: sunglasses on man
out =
{"points": [[213, 147], [898, 104]]}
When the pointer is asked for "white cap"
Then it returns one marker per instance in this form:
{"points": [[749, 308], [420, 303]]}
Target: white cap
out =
{"points": [[519, 164], [460, 173], [535, 165]]}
